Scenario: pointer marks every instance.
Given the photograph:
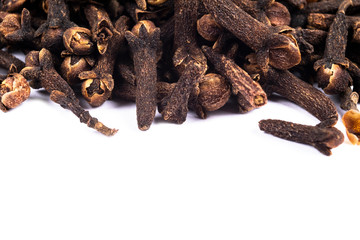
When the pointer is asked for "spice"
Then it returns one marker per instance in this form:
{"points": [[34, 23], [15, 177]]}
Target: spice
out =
{"points": [[277, 49], [144, 40], [188, 55], [249, 93], [13, 91], [58, 20], [303, 94], [213, 92], [267, 12], [11, 5], [7, 60], [331, 69], [60, 91], [98, 83], [208, 28], [323, 139], [102, 28], [188, 59]]}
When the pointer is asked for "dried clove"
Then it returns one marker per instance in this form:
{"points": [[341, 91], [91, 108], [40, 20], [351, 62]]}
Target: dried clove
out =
{"points": [[144, 41], [11, 5], [208, 28], [102, 28], [13, 91], [279, 49], [58, 20], [7, 60], [214, 92], [188, 59], [332, 75], [303, 94], [77, 41], [98, 83], [188, 55], [323, 139], [249, 93], [60, 91]]}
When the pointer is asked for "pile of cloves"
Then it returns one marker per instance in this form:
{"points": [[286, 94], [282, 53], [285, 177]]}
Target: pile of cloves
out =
{"points": [[175, 56]]}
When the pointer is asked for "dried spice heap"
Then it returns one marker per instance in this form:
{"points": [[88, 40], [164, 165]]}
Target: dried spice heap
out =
{"points": [[173, 56]]}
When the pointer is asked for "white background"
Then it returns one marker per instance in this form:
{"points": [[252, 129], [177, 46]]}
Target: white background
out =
{"points": [[219, 178]]}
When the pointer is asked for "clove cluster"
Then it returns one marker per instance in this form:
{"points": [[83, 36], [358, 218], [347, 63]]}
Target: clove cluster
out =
{"points": [[176, 56]]}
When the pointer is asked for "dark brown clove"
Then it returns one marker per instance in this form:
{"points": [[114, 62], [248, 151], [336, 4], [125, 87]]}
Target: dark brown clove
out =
{"points": [[188, 59], [280, 50], [19, 32], [301, 93], [249, 93], [214, 92], [98, 83], [332, 75], [323, 139], [300, 4], [11, 5], [208, 28], [102, 28], [144, 41], [60, 91], [7, 59], [58, 20]]}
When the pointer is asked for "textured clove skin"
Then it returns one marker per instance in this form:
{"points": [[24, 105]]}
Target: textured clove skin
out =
{"points": [[188, 59], [208, 28], [301, 93], [11, 5], [102, 28], [332, 75], [13, 91], [300, 4], [249, 93], [58, 20], [19, 32], [268, 12], [278, 50], [98, 83], [59, 89], [144, 41], [7, 60], [72, 66], [323, 139], [77, 41], [323, 6]]}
